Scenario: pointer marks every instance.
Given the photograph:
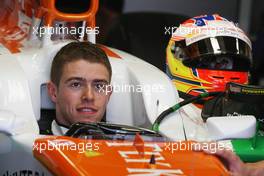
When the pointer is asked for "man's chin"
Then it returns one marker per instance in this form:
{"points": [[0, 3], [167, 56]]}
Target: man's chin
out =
{"points": [[88, 120]]}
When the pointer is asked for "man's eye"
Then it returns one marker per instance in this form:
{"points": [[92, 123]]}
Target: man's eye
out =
{"points": [[75, 85], [100, 86]]}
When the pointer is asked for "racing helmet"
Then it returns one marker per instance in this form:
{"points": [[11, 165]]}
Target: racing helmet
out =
{"points": [[206, 52]]}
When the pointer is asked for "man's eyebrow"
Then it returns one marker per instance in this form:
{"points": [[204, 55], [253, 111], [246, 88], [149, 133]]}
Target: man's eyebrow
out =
{"points": [[101, 81], [83, 80], [74, 79]]}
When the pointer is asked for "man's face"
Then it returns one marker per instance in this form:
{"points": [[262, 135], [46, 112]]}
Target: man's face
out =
{"points": [[80, 96]]}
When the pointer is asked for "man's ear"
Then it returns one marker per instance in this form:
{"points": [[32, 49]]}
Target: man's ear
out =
{"points": [[52, 91]]}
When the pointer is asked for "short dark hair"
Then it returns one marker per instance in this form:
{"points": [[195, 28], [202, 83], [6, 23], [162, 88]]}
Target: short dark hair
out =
{"points": [[77, 51]]}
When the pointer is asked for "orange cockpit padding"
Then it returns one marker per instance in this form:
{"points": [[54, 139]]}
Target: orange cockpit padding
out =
{"points": [[48, 10]]}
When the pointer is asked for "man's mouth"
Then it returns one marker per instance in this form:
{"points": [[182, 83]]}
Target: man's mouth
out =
{"points": [[87, 110]]}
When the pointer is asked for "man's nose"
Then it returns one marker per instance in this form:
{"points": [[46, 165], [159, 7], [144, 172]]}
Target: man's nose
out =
{"points": [[88, 94]]}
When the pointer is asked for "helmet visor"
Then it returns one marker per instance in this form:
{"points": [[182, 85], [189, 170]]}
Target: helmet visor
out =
{"points": [[218, 53]]}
